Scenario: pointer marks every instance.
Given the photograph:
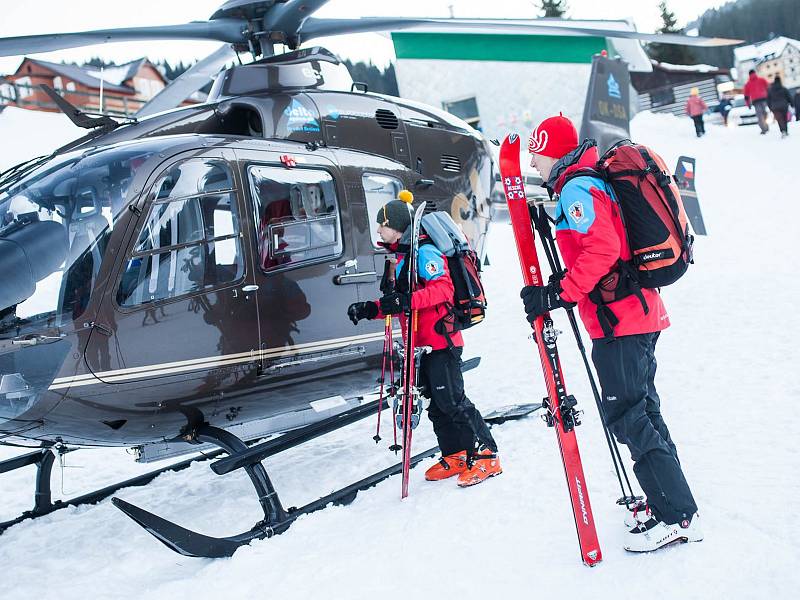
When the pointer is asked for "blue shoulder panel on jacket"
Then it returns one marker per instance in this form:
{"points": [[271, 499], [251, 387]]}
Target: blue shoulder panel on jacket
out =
{"points": [[430, 262], [575, 209]]}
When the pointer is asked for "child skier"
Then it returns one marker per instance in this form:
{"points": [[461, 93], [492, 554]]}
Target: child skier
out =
{"points": [[468, 449], [591, 238]]}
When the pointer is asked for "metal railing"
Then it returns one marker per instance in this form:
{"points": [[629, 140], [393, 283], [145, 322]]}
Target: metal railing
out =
{"points": [[29, 96]]}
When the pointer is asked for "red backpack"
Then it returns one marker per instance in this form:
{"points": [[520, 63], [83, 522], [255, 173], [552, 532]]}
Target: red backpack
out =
{"points": [[652, 212]]}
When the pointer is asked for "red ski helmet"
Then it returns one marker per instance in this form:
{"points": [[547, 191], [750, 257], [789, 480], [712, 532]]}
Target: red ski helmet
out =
{"points": [[554, 137]]}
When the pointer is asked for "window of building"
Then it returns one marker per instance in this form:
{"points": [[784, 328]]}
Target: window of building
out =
{"points": [[24, 88], [466, 109], [662, 97], [190, 240], [378, 190], [70, 86], [297, 216], [58, 83], [7, 93]]}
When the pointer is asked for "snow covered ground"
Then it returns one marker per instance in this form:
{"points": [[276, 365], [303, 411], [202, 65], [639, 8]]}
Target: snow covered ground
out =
{"points": [[729, 384]]}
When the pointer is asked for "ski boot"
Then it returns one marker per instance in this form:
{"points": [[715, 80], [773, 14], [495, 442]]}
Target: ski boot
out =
{"points": [[447, 466], [480, 467], [654, 534]]}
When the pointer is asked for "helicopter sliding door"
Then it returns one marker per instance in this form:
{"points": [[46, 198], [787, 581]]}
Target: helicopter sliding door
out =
{"points": [[307, 275], [182, 315]]}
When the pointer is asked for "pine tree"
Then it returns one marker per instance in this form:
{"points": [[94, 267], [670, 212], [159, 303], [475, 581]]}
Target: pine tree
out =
{"points": [[553, 8], [670, 53], [382, 82]]}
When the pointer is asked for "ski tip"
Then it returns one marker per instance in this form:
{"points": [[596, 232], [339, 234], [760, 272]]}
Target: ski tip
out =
{"points": [[512, 138], [405, 196]]}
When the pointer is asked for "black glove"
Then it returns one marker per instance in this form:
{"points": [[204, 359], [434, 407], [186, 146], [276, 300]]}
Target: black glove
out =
{"points": [[362, 310], [394, 304], [540, 299]]}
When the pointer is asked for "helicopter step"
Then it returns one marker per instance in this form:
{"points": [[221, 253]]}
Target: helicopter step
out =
{"points": [[276, 518]]}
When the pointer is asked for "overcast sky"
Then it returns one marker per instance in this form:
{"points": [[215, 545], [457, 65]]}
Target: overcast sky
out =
{"points": [[52, 16]]}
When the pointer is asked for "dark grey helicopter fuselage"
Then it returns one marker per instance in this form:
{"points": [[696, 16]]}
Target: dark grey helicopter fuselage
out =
{"points": [[245, 319]]}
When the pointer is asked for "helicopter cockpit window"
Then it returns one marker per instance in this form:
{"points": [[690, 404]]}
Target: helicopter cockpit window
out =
{"points": [[378, 190], [55, 225], [190, 240], [297, 216]]}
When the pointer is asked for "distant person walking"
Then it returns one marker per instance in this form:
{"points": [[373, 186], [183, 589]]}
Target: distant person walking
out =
{"points": [[725, 106], [797, 105], [755, 94], [695, 107], [779, 100]]}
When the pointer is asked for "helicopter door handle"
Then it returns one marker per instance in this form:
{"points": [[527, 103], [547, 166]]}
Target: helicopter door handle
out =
{"points": [[351, 278], [250, 288]]}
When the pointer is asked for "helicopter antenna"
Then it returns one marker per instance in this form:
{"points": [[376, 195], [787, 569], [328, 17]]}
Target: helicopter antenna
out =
{"points": [[101, 87]]}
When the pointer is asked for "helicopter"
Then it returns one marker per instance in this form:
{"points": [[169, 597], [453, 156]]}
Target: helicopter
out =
{"points": [[182, 277]]}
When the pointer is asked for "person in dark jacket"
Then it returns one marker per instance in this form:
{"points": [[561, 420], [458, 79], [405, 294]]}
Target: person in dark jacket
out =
{"points": [[797, 105], [779, 100], [468, 448], [724, 107]]}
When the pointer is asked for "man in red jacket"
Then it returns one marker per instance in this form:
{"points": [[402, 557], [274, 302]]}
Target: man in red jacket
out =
{"points": [[468, 448], [755, 94], [592, 242]]}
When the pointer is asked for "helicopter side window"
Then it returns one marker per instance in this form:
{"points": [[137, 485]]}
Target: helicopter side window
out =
{"points": [[378, 190], [187, 244], [297, 216]]}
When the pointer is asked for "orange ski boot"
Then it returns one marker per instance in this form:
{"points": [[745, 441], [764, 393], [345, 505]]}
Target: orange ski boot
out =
{"points": [[485, 464], [447, 466]]}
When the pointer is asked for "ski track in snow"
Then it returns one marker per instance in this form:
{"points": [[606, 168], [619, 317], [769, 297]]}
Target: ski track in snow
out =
{"points": [[728, 384]]}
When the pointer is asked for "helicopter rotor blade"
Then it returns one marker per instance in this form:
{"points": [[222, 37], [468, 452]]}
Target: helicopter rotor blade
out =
{"points": [[290, 15], [193, 79], [232, 31], [313, 28]]}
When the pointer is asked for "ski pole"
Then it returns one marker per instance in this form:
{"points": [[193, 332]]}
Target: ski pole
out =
{"points": [[386, 334], [548, 243]]}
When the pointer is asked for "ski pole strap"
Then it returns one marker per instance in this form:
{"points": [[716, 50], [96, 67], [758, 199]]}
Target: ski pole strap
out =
{"points": [[607, 319]]}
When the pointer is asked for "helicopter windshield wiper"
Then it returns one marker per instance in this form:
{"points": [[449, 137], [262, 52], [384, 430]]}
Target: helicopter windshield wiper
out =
{"points": [[9, 176], [77, 116]]}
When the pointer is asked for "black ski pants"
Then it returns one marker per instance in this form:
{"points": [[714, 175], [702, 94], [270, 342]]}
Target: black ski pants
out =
{"points": [[626, 367], [699, 126], [456, 422]]}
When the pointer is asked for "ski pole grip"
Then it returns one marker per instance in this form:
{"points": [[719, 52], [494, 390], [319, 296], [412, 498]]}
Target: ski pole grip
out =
{"points": [[389, 276]]}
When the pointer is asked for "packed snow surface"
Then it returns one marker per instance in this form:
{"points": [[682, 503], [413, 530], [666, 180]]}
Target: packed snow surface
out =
{"points": [[729, 385]]}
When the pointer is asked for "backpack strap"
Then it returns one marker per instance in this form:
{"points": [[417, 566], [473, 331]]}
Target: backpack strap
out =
{"points": [[582, 172]]}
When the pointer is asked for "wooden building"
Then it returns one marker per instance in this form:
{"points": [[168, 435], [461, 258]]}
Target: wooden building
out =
{"points": [[125, 88]]}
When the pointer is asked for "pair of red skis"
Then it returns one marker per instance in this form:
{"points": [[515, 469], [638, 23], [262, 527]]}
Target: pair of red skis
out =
{"points": [[561, 413]]}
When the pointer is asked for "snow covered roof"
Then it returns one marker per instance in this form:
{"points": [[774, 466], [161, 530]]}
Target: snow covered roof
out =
{"points": [[701, 68], [79, 75], [119, 74], [762, 50]]}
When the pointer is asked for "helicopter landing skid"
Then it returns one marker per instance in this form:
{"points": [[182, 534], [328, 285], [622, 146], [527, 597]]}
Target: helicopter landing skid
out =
{"points": [[44, 459], [276, 518], [191, 543]]}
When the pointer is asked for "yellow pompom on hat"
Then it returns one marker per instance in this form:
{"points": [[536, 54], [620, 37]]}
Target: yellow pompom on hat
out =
{"points": [[397, 213]]}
